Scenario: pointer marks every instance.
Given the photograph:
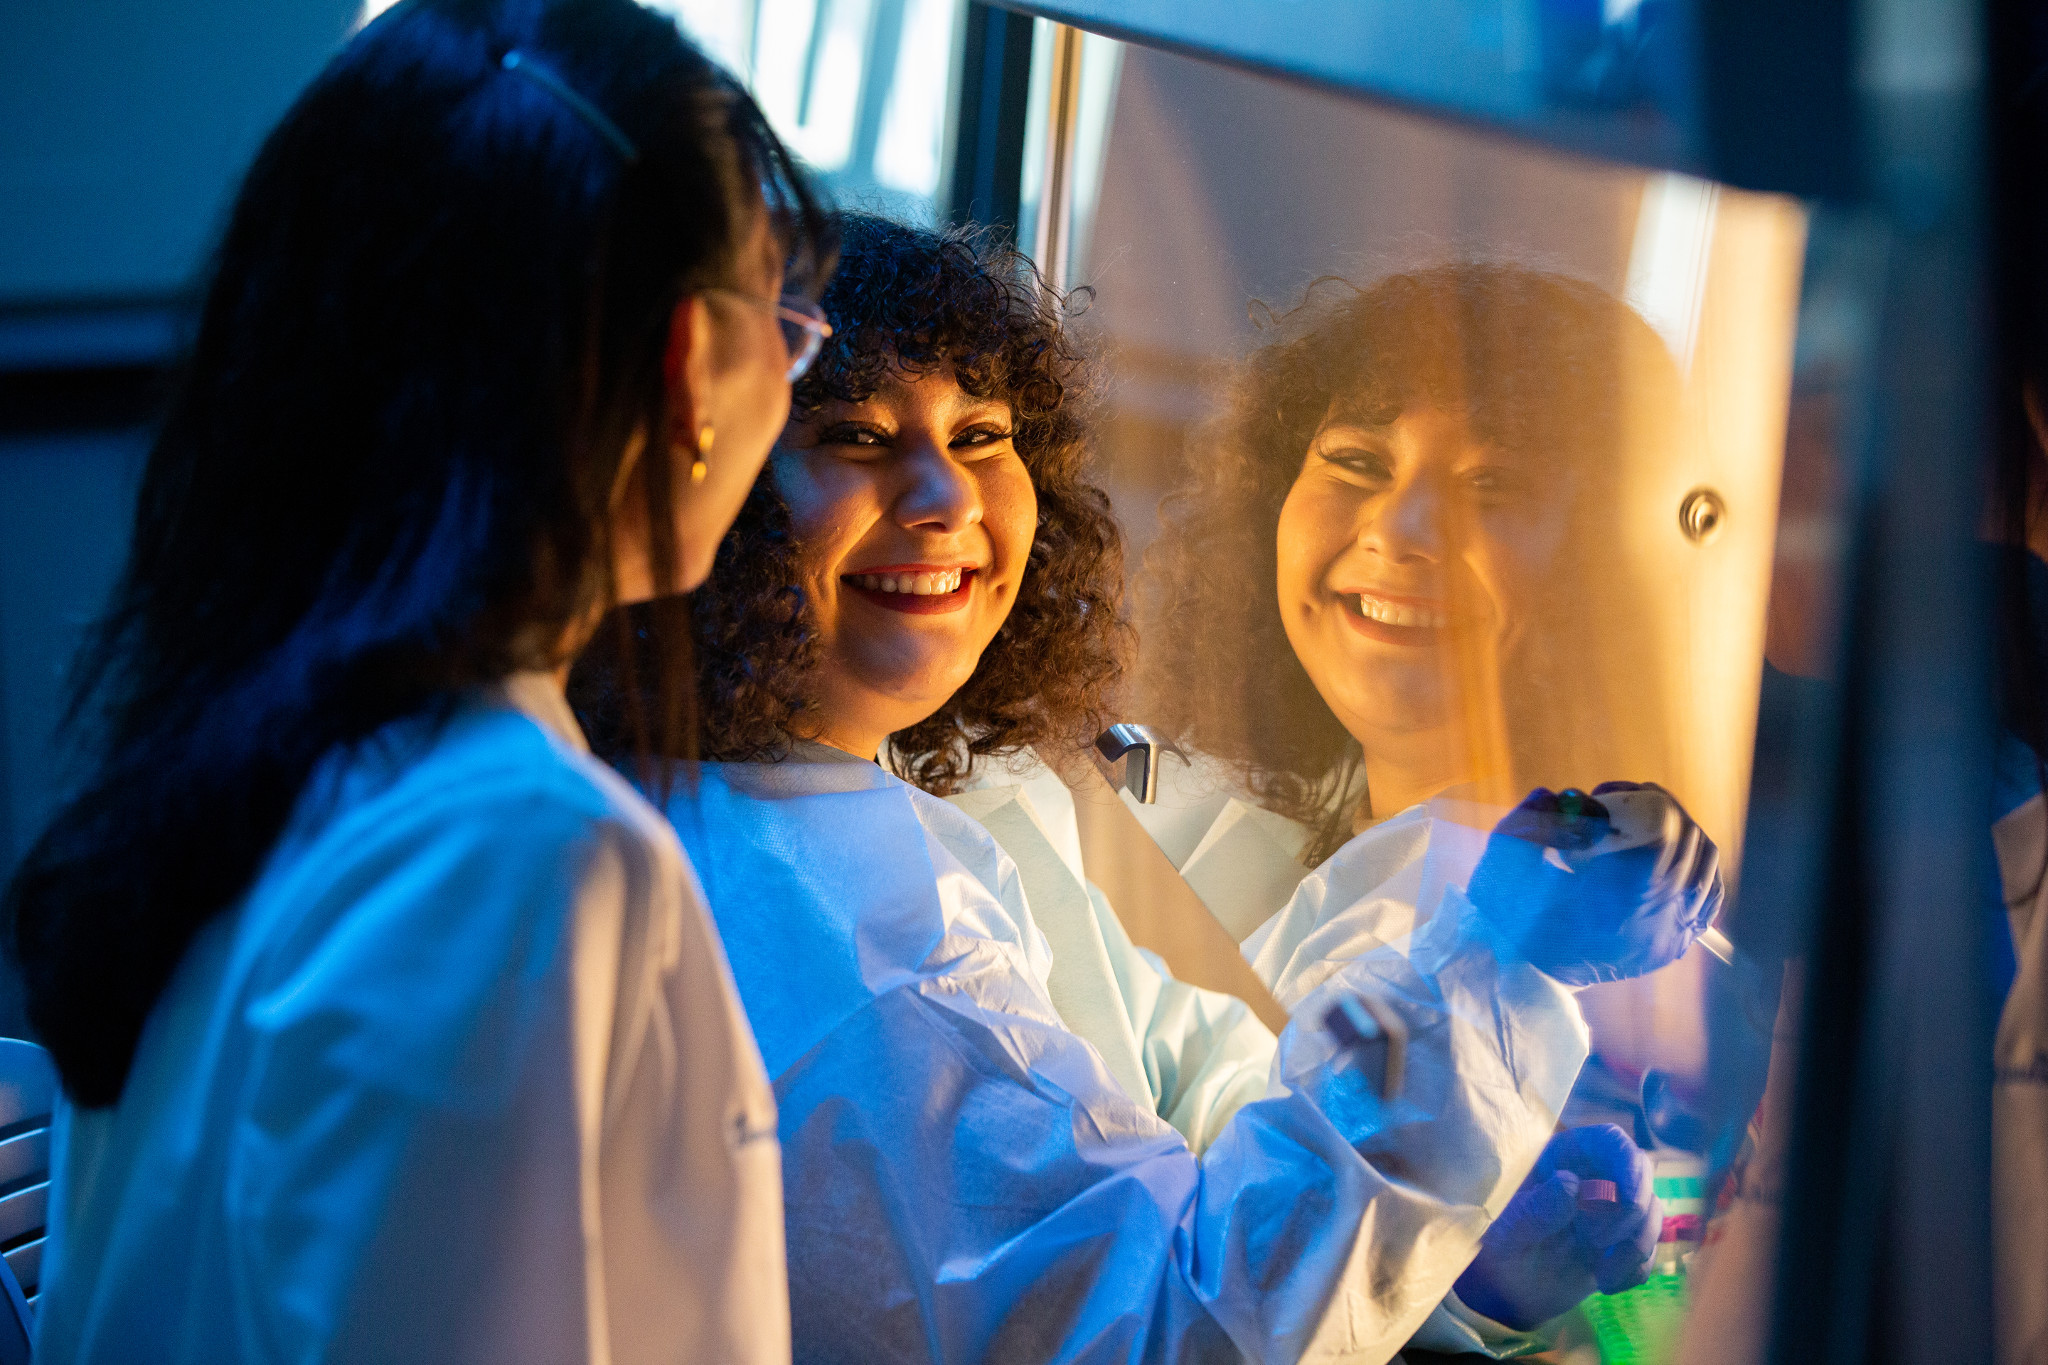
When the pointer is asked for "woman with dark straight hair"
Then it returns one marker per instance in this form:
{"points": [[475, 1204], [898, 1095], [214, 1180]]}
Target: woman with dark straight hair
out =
{"points": [[392, 1025]]}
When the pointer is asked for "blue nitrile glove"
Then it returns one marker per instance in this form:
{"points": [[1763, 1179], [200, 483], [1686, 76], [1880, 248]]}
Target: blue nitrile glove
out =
{"points": [[1547, 1251], [1587, 890]]}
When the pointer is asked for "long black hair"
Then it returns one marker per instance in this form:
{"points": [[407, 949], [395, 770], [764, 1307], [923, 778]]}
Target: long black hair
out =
{"points": [[437, 316]]}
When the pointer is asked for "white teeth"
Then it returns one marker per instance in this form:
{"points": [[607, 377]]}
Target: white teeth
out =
{"points": [[1397, 614], [912, 584]]}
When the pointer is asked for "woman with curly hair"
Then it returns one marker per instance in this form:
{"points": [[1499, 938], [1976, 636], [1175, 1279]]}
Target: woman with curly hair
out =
{"points": [[1012, 636], [1008, 1133], [1402, 569]]}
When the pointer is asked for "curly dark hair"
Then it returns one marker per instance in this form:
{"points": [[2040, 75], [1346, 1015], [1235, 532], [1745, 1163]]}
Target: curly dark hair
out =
{"points": [[1540, 362], [914, 301]]}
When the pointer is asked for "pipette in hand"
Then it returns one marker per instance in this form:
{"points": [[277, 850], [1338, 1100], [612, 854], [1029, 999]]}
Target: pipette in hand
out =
{"points": [[1598, 887]]}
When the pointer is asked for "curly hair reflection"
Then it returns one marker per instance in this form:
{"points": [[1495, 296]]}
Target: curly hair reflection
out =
{"points": [[1551, 368]]}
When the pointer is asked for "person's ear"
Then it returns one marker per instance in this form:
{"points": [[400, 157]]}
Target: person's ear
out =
{"points": [[686, 369]]}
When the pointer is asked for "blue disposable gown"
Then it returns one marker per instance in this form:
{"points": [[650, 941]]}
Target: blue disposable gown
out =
{"points": [[463, 1078], [968, 1178]]}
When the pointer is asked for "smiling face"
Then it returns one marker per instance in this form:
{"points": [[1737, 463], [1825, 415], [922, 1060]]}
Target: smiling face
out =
{"points": [[1408, 552], [915, 516]]}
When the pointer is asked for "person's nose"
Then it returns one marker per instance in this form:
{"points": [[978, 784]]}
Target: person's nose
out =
{"points": [[1406, 522], [941, 496]]}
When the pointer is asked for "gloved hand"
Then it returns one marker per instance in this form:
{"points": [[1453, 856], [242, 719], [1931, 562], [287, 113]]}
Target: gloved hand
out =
{"points": [[1587, 890], [1547, 1251]]}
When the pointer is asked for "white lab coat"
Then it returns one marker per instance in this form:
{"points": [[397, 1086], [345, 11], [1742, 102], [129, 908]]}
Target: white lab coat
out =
{"points": [[463, 1078], [970, 1179]]}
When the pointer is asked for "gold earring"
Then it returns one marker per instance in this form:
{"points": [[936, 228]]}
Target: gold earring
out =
{"points": [[700, 468]]}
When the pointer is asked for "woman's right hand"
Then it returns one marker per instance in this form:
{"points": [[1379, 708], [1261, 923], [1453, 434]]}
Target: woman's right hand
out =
{"points": [[1598, 888]]}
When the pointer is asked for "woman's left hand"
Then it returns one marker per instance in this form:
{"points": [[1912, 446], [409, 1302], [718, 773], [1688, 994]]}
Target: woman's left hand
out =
{"points": [[1548, 1250]]}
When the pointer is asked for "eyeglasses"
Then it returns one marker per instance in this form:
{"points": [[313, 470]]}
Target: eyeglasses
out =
{"points": [[803, 324]]}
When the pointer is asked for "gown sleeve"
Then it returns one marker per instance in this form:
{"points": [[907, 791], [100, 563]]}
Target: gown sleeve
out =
{"points": [[1371, 896], [1208, 1056], [501, 1107]]}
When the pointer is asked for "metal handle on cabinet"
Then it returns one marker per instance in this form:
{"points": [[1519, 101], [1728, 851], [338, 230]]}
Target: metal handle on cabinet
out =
{"points": [[1140, 746]]}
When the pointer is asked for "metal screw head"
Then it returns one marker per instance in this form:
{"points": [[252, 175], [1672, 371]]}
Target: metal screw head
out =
{"points": [[1701, 514]]}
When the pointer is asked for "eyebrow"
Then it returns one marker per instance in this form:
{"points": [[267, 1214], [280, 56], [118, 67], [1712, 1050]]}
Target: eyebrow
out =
{"points": [[1345, 424]]}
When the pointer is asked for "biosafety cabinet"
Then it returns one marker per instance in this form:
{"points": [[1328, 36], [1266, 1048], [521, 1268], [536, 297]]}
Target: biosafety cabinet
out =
{"points": [[1511, 393], [1492, 394]]}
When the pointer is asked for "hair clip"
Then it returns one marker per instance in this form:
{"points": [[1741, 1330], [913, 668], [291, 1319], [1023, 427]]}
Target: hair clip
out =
{"points": [[519, 64]]}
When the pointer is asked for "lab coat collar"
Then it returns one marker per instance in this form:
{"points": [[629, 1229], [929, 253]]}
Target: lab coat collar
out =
{"points": [[539, 697], [812, 751]]}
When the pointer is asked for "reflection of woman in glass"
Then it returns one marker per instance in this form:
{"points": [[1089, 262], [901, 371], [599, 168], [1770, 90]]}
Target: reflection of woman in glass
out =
{"points": [[1441, 460], [1405, 569]]}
